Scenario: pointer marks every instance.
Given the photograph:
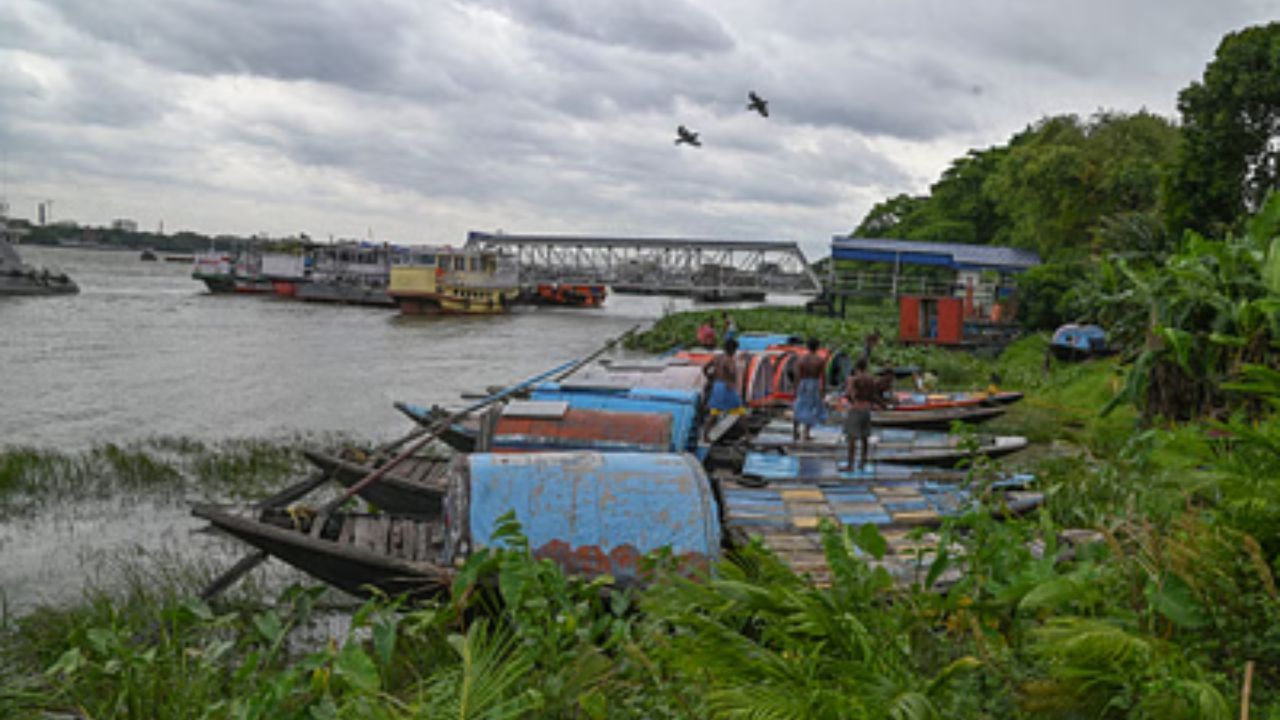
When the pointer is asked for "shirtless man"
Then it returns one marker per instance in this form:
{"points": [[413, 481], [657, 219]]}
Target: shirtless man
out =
{"points": [[723, 373], [864, 395], [809, 409]]}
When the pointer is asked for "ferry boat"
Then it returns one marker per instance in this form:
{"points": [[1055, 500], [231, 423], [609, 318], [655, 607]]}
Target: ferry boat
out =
{"points": [[349, 272], [444, 280], [223, 272]]}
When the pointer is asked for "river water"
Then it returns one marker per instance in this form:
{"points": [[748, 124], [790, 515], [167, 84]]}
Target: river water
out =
{"points": [[144, 351]]}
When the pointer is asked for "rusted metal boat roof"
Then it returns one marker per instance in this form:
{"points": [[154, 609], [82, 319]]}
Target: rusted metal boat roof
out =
{"points": [[597, 513]]}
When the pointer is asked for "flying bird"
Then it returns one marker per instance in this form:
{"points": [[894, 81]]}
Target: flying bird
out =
{"points": [[687, 136], [758, 104]]}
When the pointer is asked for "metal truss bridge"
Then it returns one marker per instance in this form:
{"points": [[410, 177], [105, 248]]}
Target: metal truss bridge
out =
{"points": [[677, 266]]}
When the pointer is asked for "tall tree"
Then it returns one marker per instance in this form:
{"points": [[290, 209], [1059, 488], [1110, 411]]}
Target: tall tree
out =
{"points": [[1229, 157]]}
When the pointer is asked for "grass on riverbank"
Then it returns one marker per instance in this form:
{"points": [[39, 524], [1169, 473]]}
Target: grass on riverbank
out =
{"points": [[236, 469], [847, 334]]}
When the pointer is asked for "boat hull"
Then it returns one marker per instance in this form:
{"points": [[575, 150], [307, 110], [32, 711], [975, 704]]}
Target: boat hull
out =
{"points": [[339, 293], [356, 554], [939, 419]]}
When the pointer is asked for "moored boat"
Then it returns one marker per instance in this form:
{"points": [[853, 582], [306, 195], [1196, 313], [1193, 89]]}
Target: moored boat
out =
{"points": [[351, 273], [682, 406], [593, 514], [524, 426], [888, 445], [936, 419], [18, 278], [568, 294], [354, 552], [227, 273], [447, 280], [415, 487]]}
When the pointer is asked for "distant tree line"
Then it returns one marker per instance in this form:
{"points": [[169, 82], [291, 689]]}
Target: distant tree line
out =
{"points": [[183, 242]]}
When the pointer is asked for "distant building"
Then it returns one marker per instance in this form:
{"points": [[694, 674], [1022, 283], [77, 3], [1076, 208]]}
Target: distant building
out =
{"points": [[65, 224], [124, 224]]}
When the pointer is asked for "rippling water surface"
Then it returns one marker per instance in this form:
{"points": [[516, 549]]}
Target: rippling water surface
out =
{"points": [[145, 351]]}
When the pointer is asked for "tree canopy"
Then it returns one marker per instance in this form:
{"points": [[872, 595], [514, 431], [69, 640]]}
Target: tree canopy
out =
{"points": [[1228, 158], [1050, 189]]}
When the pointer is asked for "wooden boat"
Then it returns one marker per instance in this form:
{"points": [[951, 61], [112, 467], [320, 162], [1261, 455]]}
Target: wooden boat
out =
{"points": [[939, 419], [416, 487], [592, 513], [890, 445], [446, 280], [554, 425], [788, 469], [356, 553], [667, 374], [682, 406]]}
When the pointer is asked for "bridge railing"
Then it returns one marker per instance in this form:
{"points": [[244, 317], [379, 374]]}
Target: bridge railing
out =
{"points": [[656, 264]]}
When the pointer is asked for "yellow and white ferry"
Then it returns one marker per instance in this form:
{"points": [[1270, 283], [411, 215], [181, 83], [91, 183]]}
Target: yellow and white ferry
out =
{"points": [[445, 280]]}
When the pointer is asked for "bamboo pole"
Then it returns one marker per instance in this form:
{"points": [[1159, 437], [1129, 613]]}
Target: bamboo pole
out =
{"points": [[423, 434], [1244, 692]]}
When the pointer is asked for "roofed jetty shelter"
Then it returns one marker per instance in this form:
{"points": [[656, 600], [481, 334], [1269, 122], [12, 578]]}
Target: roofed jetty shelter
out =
{"points": [[947, 293]]}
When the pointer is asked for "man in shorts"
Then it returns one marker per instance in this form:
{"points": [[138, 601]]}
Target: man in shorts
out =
{"points": [[723, 373], [809, 409], [864, 395]]}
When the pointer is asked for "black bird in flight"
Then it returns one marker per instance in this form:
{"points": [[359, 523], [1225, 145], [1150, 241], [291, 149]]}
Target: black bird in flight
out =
{"points": [[687, 136], [758, 104]]}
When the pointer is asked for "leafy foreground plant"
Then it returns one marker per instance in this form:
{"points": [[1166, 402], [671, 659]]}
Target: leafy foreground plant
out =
{"points": [[1155, 622]]}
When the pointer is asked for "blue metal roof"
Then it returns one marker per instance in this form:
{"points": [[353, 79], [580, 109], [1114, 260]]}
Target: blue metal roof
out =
{"points": [[914, 252]]}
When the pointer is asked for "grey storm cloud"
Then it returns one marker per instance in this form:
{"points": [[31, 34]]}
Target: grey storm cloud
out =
{"points": [[323, 40], [560, 113], [657, 26]]}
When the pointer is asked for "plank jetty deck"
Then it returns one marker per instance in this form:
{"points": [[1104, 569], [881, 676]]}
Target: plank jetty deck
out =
{"points": [[802, 493]]}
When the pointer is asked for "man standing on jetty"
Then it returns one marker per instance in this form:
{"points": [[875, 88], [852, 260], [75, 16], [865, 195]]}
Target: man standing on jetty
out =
{"points": [[723, 373], [809, 408], [864, 394]]}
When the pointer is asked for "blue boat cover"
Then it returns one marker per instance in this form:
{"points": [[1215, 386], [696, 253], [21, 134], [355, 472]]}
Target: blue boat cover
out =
{"points": [[757, 343], [1086, 338], [681, 405], [598, 513]]}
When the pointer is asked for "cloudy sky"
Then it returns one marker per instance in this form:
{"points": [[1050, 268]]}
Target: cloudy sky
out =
{"points": [[417, 120]]}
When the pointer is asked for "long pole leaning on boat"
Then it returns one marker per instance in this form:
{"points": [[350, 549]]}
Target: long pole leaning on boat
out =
{"points": [[424, 435], [557, 375]]}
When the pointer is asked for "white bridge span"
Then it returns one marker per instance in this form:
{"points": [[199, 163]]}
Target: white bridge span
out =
{"points": [[684, 266]]}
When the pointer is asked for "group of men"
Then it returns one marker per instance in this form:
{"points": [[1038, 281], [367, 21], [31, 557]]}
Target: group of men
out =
{"points": [[863, 391]]}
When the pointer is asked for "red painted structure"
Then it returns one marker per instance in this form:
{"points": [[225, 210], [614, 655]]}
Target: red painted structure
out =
{"points": [[931, 320]]}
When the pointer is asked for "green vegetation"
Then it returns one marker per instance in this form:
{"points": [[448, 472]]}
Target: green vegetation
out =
{"points": [[237, 468], [1228, 159], [679, 330], [1048, 190]]}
